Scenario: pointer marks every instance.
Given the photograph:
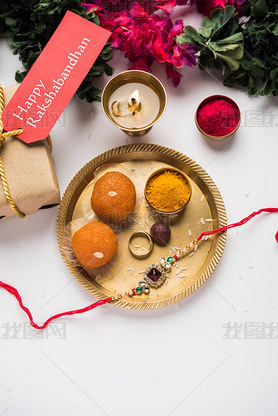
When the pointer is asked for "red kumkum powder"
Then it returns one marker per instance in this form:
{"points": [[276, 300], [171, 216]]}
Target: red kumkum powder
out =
{"points": [[218, 116]]}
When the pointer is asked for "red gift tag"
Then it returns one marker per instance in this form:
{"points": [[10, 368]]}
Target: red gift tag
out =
{"points": [[54, 78]]}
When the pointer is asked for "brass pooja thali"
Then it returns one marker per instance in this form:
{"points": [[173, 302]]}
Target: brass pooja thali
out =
{"points": [[205, 211]]}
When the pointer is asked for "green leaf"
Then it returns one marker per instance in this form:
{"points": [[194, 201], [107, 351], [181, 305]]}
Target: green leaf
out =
{"points": [[207, 26], [236, 37], [231, 57], [109, 70], [190, 35], [273, 75], [247, 50], [10, 21], [224, 47], [19, 76], [275, 29], [259, 8], [212, 27]]}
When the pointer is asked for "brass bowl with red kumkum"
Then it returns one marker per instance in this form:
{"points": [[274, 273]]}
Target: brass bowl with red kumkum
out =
{"points": [[217, 117]]}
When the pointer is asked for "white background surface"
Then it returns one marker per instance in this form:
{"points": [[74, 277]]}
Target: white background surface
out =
{"points": [[172, 361]]}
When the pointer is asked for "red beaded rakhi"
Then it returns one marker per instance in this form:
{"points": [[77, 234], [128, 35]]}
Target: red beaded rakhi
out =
{"points": [[154, 276]]}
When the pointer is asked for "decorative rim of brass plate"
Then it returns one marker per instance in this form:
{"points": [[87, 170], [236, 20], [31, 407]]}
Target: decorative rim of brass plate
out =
{"points": [[78, 182]]}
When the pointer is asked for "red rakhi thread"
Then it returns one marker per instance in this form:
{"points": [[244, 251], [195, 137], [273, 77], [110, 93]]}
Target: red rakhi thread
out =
{"points": [[237, 224], [13, 291]]}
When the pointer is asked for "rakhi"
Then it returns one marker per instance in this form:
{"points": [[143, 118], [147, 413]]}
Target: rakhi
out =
{"points": [[154, 276]]}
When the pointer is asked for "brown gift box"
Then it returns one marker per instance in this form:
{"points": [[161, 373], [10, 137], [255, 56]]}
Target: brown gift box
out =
{"points": [[30, 173]]}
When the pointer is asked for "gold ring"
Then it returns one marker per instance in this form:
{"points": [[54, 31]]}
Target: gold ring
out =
{"points": [[148, 251]]}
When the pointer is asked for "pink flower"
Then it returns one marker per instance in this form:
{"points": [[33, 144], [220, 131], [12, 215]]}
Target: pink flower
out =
{"points": [[165, 49], [165, 5], [173, 74], [137, 11], [142, 63], [144, 37], [144, 31], [157, 48]]}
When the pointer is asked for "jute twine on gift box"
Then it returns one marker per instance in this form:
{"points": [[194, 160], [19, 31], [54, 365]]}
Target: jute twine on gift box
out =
{"points": [[3, 136]]}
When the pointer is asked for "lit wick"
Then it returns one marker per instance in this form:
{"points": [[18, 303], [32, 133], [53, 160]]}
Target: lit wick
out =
{"points": [[133, 106], [134, 103]]}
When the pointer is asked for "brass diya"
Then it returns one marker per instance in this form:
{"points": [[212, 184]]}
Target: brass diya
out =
{"points": [[131, 77], [206, 211]]}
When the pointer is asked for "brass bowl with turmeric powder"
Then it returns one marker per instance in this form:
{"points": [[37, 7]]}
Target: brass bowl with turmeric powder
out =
{"points": [[168, 190]]}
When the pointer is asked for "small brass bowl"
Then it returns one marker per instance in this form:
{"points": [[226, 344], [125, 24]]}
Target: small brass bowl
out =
{"points": [[128, 77], [224, 97], [157, 173]]}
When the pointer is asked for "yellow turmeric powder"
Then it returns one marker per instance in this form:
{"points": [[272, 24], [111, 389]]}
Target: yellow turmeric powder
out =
{"points": [[168, 191]]}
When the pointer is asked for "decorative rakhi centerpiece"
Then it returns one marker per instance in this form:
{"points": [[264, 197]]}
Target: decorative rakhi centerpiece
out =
{"points": [[156, 274]]}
